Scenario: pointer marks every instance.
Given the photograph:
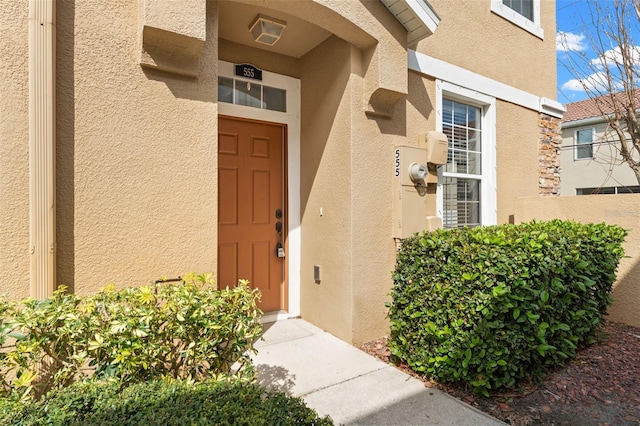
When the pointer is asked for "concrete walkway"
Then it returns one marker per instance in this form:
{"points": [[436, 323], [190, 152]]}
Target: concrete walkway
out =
{"points": [[352, 387]]}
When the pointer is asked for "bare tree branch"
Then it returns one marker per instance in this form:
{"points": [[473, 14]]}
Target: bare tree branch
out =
{"points": [[611, 79]]}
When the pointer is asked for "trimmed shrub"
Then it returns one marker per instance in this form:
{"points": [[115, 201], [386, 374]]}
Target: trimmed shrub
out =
{"points": [[489, 306], [162, 403], [189, 330]]}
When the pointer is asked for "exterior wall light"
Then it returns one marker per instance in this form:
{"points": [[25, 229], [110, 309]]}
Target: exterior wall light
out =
{"points": [[267, 30]]}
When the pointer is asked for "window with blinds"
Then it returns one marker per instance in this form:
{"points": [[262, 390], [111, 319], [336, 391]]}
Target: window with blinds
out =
{"points": [[463, 172]]}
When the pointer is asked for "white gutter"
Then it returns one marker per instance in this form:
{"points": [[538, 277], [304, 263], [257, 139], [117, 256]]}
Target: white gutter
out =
{"points": [[42, 142], [583, 122]]}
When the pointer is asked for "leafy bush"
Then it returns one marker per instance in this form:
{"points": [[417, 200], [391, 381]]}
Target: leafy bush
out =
{"points": [[189, 330], [163, 403], [490, 306]]}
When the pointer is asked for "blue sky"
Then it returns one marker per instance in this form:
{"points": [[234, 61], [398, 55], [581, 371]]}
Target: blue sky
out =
{"points": [[574, 19]]}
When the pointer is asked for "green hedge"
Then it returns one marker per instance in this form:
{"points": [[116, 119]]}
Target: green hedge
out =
{"points": [[162, 403], [489, 306], [186, 330]]}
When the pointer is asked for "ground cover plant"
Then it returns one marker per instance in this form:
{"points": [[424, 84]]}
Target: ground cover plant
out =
{"points": [[494, 305], [162, 403]]}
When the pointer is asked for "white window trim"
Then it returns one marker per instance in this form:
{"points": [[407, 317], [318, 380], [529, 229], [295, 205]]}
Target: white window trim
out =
{"points": [[576, 145], [514, 17], [488, 186], [292, 119], [438, 69]]}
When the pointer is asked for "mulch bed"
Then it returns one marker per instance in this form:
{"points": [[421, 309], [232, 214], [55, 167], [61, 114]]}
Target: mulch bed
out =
{"points": [[601, 386]]}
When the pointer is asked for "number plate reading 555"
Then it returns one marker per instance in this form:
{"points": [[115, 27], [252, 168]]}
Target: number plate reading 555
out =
{"points": [[248, 71]]}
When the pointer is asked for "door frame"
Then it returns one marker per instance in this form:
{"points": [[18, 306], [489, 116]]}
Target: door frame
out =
{"points": [[291, 120]]}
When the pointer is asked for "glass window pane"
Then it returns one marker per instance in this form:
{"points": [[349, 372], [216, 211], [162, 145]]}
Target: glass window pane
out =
{"points": [[225, 90], [523, 7], [461, 202], [584, 151], [463, 132], [275, 99], [248, 94], [584, 136], [461, 196], [447, 111], [584, 144], [459, 113], [474, 165], [474, 140]]}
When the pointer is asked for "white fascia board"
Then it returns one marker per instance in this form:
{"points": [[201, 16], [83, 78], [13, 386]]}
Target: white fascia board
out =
{"points": [[445, 71], [420, 11], [423, 10]]}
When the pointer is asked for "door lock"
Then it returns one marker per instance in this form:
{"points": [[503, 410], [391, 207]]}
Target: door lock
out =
{"points": [[278, 214], [279, 250], [279, 227]]}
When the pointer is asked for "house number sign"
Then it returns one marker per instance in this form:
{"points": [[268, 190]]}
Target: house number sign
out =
{"points": [[248, 71]]}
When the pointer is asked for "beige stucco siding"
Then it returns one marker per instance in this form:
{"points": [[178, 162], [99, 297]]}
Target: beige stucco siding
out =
{"points": [[517, 135], [471, 36], [14, 150], [373, 249], [622, 210], [325, 184], [137, 186], [238, 54], [137, 194]]}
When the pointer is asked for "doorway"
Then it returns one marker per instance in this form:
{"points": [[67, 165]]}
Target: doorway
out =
{"points": [[251, 207]]}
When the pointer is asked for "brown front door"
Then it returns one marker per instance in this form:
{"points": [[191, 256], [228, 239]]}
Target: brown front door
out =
{"points": [[250, 206]]}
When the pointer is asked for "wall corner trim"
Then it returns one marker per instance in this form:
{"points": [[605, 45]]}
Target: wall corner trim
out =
{"points": [[552, 108], [42, 142]]}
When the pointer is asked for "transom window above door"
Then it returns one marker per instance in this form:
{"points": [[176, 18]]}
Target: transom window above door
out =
{"points": [[251, 94]]}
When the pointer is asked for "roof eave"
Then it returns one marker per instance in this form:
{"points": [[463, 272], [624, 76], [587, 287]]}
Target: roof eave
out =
{"points": [[409, 12]]}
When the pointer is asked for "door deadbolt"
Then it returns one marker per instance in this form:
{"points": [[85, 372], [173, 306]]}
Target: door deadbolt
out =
{"points": [[278, 214], [279, 227]]}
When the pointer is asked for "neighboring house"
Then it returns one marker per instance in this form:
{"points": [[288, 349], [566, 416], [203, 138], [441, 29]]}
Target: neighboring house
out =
{"points": [[590, 157], [149, 138]]}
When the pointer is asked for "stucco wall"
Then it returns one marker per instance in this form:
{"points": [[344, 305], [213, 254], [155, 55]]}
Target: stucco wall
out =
{"points": [[473, 37], [325, 183], [623, 210], [604, 170], [372, 170], [239, 54], [517, 134], [137, 151], [14, 150], [137, 148]]}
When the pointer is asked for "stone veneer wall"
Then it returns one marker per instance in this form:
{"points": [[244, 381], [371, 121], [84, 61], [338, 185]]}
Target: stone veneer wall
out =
{"points": [[549, 155]]}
